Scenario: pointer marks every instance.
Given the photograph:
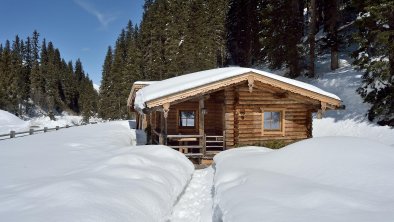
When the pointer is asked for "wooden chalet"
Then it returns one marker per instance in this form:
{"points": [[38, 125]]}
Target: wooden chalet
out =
{"points": [[206, 112]]}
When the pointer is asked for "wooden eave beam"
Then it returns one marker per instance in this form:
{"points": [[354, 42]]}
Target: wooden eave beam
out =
{"points": [[219, 85]]}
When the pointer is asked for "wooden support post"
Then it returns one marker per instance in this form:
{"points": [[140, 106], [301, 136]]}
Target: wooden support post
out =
{"points": [[151, 128], [12, 134], [321, 111], [201, 125], [45, 129], [144, 122], [137, 121], [31, 131], [166, 109]]}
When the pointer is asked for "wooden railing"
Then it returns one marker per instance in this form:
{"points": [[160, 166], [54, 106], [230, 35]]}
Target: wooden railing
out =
{"points": [[194, 150], [195, 146], [214, 143], [156, 137], [31, 131]]}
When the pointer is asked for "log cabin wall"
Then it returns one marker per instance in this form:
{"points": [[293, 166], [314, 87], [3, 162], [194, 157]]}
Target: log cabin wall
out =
{"points": [[173, 118], [229, 113], [213, 118], [244, 118], [214, 124]]}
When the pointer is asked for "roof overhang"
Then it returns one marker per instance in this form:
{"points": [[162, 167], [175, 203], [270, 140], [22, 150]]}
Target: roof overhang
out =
{"points": [[331, 103], [136, 86]]}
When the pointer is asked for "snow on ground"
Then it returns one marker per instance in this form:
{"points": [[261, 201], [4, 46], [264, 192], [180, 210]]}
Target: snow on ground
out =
{"points": [[96, 87], [344, 83], [352, 121], [195, 205], [89, 173], [10, 122], [321, 179]]}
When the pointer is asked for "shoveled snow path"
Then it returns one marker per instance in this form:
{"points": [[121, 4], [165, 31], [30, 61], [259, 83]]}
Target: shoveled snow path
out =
{"points": [[195, 204]]}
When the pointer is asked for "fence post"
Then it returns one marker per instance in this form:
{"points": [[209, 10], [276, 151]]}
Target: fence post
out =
{"points": [[12, 134], [31, 131], [45, 129], [161, 139], [57, 127]]}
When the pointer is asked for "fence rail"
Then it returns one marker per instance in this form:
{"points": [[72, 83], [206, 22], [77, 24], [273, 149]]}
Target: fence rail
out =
{"points": [[31, 131]]}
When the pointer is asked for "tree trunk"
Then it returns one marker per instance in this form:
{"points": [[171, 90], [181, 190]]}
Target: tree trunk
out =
{"points": [[334, 34], [312, 31], [391, 49]]}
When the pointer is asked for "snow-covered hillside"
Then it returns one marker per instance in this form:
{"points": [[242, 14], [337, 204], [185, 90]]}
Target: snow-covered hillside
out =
{"points": [[89, 173]]}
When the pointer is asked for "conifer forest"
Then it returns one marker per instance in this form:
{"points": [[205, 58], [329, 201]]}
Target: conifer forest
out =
{"points": [[176, 37]]}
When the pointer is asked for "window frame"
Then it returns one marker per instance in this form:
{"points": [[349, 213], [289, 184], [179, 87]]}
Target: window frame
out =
{"points": [[180, 118], [281, 130]]}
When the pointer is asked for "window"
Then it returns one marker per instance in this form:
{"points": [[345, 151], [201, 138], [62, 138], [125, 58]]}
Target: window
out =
{"points": [[187, 119], [273, 122]]}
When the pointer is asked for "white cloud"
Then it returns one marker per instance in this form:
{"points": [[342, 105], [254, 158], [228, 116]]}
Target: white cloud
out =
{"points": [[104, 19]]}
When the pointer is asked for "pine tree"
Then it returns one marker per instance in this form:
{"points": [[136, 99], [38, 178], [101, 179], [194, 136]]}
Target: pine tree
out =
{"points": [[17, 90], [2, 79], [35, 75], [106, 87], [44, 60], [242, 30], [155, 18], [311, 37], [376, 57], [88, 99], [281, 33], [331, 26]]}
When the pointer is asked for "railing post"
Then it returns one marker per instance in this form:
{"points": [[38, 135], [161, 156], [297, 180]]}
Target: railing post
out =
{"points": [[201, 125], [45, 129], [161, 139], [31, 131], [12, 134]]}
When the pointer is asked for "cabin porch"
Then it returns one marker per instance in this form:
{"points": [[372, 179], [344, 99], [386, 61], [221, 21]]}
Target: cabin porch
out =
{"points": [[194, 127]]}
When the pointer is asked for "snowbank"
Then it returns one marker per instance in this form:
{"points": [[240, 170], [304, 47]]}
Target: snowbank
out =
{"points": [[321, 179], [351, 127], [10, 122], [89, 173]]}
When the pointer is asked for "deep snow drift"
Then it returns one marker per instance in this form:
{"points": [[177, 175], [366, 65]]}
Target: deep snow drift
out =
{"points": [[322, 179], [89, 173], [10, 122]]}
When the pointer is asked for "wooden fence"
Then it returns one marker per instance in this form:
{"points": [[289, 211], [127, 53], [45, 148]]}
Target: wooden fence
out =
{"points": [[31, 131]]}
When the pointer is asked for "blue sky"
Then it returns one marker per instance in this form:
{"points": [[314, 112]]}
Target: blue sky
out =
{"points": [[79, 28]]}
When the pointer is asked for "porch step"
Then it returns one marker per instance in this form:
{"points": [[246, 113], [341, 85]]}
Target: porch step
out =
{"points": [[194, 155], [210, 154], [190, 147]]}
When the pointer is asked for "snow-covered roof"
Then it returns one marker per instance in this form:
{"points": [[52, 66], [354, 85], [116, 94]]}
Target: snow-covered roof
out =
{"points": [[144, 82], [137, 86], [189, 81]]}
